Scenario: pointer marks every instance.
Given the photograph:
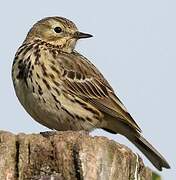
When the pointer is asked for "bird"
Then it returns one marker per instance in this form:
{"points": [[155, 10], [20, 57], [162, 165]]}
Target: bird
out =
{"points": [[62, 90]]}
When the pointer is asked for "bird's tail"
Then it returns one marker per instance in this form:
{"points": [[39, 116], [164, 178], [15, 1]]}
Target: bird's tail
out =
{"points": [[140, 142], [150, 152]]}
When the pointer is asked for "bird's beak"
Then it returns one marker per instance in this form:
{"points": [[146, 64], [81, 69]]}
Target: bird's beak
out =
{"points": [[80, 35]]}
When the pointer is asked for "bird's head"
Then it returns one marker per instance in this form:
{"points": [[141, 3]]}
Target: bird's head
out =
{"points": [[57, 31]]}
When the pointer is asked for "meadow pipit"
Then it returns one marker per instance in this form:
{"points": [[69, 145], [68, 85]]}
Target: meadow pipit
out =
{"points": [[63, 90]]}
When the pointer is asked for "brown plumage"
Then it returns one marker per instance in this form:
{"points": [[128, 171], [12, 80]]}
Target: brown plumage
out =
{"points": [[63, 90]]}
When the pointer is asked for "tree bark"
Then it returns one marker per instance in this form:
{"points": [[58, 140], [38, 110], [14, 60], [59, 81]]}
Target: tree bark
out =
{"points": [[67, 156]]}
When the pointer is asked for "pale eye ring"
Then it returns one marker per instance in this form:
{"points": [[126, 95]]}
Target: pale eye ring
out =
{"points": [[58, 29]]}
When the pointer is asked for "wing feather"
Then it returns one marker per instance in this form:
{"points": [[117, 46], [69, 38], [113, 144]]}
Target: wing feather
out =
{"points": [[89, 84]]}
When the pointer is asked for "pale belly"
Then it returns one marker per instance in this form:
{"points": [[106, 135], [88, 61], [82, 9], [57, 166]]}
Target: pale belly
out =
{"points": [[65, 115]]}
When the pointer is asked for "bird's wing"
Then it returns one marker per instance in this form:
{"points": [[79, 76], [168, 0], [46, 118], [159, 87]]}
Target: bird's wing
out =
{"points": [[83, 79]]}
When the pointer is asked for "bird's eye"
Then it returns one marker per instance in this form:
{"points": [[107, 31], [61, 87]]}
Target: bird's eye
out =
{"points": [[58, 29]]}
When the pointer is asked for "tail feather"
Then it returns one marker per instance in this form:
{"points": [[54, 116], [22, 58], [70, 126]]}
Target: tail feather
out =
{"points": [[115, 126], [150, 152]]}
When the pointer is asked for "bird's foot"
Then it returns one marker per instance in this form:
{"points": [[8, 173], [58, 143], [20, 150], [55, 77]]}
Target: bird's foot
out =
{"points": [[47, 134]]}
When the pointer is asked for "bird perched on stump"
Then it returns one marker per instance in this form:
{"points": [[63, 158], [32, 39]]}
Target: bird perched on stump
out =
{"points": [[63, 90]]}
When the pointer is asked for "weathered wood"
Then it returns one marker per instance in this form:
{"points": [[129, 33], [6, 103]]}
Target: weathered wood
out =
{"points": [[67, 156]]}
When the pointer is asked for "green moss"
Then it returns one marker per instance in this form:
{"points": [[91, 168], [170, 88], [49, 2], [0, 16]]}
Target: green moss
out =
{"points": [[155, 176]]}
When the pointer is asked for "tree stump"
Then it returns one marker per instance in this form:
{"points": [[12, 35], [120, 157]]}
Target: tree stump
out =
{"points": [[67, 156]]}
